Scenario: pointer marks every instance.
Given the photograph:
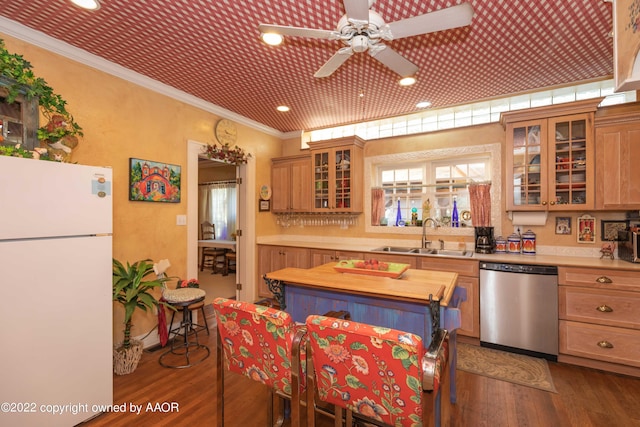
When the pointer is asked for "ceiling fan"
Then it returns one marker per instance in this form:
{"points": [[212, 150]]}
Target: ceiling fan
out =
{"points": [[362, 29]]}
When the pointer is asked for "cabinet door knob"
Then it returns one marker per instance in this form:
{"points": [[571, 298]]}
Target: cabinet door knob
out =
{"points": [[605, 344], [604, 279], [552, 203], [544, 203], [604, 308]]}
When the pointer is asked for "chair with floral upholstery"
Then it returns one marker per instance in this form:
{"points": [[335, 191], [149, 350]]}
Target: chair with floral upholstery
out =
{"points": [[380, 376], [263, 344]]}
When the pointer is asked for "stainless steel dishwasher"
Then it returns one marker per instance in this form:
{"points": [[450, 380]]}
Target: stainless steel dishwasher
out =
{"points": [[519, 308]]}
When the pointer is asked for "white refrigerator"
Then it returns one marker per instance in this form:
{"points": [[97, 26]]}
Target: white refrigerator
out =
{"points": [[55, 301]]}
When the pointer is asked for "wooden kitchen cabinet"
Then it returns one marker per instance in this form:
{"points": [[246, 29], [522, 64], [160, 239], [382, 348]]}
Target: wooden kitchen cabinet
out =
{"points": [[337, 176], [323, 256], [599, 322], [550, 157], [291, 184], [469, 279], [272, 258], [617, 152]]}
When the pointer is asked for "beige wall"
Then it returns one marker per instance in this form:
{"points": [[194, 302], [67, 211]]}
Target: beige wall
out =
{"points": [[123, 120]]}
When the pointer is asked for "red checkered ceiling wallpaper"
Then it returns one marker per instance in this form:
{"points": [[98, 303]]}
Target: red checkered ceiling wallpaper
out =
{"points": [[211, 49]]}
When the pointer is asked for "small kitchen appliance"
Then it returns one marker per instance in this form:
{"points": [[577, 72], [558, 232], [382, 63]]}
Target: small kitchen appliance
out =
{"points": [[629, 245], [485, 242]]}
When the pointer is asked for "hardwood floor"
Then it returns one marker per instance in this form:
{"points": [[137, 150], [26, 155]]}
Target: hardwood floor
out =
{"points": [[585, 398]]}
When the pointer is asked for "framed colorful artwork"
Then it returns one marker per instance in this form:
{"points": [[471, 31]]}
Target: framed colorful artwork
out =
{"points": [[586, 229], [610, 229], [151, 181], [563, 225]]}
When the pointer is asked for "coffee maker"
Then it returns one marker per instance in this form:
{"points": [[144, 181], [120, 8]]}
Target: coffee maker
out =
{"points": [[485, 242]]}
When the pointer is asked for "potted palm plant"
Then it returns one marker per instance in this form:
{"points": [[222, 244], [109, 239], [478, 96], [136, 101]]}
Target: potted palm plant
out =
{"points": [[131, 288]]}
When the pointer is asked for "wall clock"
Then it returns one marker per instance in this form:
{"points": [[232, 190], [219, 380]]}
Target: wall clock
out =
{"points": [[226, 132]]}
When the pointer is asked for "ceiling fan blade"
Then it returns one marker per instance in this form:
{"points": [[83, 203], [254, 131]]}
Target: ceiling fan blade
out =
{"points": [[443, 19], [334, 62], [357, 10], [298, 31], [393, 60]]}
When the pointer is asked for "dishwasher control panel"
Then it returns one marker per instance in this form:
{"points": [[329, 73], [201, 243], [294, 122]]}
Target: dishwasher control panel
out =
{"points": [[519, 268]]}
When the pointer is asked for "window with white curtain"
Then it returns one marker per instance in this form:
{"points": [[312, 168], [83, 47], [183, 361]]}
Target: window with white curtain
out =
{"points": [[217, 205]]}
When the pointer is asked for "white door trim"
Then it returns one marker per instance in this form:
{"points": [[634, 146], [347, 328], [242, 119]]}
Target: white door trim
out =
{"points": [[246, 271]]}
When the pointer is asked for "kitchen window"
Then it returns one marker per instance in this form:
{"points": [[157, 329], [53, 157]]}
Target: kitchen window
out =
{"points": [[429, 188], [436, 176]]}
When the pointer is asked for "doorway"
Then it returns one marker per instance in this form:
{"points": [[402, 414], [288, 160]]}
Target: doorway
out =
{"points": [[217, 205], [245, 244]]}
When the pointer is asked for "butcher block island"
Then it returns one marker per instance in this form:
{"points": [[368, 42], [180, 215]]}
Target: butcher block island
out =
{"points": [[404, 303], [412, 285], [419, 301]]}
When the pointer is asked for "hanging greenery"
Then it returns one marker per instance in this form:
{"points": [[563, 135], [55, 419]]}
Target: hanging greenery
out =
{"points": [[17, 77]]}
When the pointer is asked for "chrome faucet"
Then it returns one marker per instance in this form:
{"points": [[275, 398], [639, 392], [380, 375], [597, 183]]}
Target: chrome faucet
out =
{"points": [[426, 243]]}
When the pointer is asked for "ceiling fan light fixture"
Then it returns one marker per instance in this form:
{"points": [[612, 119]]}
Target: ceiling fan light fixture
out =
{"points": [[283, 108], [272, 39], [87, 4], [360, 43], [407, 81], [423, 104]]}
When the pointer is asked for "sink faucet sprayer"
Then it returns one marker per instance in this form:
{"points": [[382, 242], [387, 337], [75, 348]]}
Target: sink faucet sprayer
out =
{"points": [[426, 243]]}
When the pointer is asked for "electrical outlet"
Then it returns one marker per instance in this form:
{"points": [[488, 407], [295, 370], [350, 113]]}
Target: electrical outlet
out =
{"points": [[181, 220]]}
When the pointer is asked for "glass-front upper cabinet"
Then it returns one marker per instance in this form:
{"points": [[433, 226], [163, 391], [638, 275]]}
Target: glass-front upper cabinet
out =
{"points": [[337, 175], [321, 180], [527, 154], [571, 145], [550, 157]]}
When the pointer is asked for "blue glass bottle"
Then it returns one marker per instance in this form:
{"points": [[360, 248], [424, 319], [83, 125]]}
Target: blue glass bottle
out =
{"points": [[455, 221], [399, 216]]}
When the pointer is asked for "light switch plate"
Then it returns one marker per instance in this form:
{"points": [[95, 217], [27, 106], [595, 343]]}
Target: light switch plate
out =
{"points": [[181, 220]]}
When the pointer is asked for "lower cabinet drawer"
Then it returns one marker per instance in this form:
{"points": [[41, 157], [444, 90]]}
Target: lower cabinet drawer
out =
{"points": [[599, 278], [601, 306], [605, 343]]}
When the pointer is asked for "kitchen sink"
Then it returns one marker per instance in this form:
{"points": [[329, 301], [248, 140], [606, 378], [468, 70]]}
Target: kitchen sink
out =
{"points": [[442, 252], [423, 251], [394, 249]]}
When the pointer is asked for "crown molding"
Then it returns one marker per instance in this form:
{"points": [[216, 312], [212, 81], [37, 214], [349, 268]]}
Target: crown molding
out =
{"points": [[38, 38]]}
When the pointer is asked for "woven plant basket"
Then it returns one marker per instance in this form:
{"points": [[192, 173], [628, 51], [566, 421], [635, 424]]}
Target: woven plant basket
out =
{"points": [[125, 361]]}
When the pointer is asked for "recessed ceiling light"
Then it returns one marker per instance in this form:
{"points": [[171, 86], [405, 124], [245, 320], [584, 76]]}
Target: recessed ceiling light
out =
{"points": [[423, 104], [272, 39], [407, 81], [87, 4], [283, 108]]}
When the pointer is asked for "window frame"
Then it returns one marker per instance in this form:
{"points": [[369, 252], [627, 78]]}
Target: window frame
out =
{"points": [[430, 157]]}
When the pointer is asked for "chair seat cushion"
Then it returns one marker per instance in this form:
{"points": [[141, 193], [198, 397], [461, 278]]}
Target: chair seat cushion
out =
{"points": [[182, 294]]}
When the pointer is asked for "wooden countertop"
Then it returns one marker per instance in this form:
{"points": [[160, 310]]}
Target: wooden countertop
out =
{"points": [[412, 285]]}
